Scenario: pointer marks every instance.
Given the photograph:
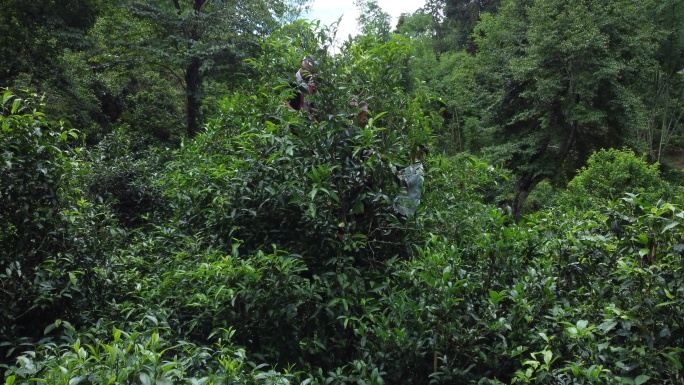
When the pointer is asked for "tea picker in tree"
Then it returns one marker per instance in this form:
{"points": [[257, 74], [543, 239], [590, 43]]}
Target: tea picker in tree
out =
{"points": [[357, 179], [357, 121], [360, 120], [304, 85], [411, 180]]}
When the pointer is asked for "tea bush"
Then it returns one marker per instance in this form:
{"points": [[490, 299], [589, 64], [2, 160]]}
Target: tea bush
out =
{"points": [[266, 250], [145, 357], [610, 174], [54, 241]]}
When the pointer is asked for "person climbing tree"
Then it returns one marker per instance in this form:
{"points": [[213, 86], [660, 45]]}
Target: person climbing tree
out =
{"points": [[351, 206], [304, 85]]}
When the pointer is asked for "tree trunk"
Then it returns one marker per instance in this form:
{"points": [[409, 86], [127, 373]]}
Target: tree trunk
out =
{"points": [[523, 187], [193, 82], [193, 78]]}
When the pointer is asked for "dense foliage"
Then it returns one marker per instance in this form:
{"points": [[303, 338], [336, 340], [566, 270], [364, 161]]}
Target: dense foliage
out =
{"points": [[246, 242]]}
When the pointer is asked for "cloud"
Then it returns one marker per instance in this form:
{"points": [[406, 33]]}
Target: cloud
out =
{"points": [[328, 11], [396, 7]]}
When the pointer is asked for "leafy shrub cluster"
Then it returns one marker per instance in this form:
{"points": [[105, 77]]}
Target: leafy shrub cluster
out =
{"points": [[54, 241], [145, 358], [610, 174], [266, 251]]}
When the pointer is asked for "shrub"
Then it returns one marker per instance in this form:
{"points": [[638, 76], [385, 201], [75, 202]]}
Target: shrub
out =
{"points": [[124, 168], [53, 241], [610, 174], [34, 171], [146, 357]]}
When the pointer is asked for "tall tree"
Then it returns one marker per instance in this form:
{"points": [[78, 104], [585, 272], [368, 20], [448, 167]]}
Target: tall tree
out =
{"points": [[34, 33], [372, 20], [461, 16], [196, 40], [418, 24], [665, 87], [561, 78], [449, 75], [455, 21]]}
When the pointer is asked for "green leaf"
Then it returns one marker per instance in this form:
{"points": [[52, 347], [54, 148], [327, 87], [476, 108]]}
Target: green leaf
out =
{"points": [[5, 97], [77, 380], [380, 115], [532, 363], [50, 327], [446, 273], [10, 380], [333, 195], [144, 378], [669, 226], [163, 381], [544, 336], [607, 326], [15, 105], [642, 238], [153, 319], [496, 297], [582, 325], [668, 294], [518, 351], [641, 379], [673, 360], [117, 334], [665, 304]]}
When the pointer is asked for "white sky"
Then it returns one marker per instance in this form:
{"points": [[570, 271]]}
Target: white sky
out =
{"points": [[328, 11]]}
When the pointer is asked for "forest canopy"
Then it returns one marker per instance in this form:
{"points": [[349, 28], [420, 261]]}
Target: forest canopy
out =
{"points": [[206, 192]]}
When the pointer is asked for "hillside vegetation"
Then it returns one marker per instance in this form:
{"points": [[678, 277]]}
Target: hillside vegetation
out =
{"points": [[165, 218]]}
